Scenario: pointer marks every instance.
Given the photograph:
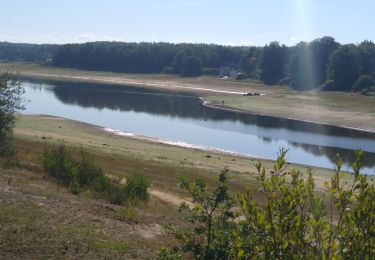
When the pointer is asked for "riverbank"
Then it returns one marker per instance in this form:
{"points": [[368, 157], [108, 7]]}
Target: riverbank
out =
{"points": [[332, 108], [181, 158]]}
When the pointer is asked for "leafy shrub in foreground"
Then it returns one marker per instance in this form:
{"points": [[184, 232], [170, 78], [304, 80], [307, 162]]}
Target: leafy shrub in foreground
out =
{"points": [[294, 222], [212, 220]]}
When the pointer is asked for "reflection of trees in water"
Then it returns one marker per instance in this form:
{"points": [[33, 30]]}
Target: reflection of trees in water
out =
{"points": [[128, 99], [154, 102], [347, 156]]}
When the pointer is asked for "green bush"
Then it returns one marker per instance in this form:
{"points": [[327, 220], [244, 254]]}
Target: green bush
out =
{"points": [[84, 173], [128, 214], [293, 221], [101, 184], [58, 163], [115, 194], [136, 188], [89, 172], [363, 83]]}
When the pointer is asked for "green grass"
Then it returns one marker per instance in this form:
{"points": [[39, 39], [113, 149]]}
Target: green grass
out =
{"points": [[96, 239]]}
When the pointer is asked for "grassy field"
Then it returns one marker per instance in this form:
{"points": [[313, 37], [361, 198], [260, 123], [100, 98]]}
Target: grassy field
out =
{"points": [[336, 108]]}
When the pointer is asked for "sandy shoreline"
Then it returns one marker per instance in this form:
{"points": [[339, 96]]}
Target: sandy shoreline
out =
{"points": [[180, 144]]}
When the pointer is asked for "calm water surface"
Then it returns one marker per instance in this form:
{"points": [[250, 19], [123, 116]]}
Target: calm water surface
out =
{"points": [[184, 118]]}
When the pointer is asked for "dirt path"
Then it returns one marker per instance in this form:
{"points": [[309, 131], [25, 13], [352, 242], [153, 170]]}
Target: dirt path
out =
{"points": [[169, 197]]}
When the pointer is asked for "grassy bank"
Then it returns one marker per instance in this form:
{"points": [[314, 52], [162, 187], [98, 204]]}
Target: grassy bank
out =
{"points": [[336, 108], [137, 150]]}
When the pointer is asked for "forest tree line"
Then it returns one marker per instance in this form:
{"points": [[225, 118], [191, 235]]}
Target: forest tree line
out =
{"points": [[25, 52], [320, 63]]}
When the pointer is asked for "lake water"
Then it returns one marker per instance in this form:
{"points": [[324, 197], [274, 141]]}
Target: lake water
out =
{"points": [[180, 117]]}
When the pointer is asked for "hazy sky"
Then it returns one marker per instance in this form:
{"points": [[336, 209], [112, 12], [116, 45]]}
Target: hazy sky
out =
{"points": [[236, 22]]}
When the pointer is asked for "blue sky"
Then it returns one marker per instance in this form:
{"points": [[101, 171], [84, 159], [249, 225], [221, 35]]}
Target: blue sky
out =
{"points": [[236, 22]]}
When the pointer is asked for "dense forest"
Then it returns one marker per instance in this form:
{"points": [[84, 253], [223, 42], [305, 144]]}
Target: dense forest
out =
{"points": [[322, 63], [25, 52]]}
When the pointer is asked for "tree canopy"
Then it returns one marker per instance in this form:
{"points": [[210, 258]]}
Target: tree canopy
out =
{"points": [[27, 52], [272, 62]]}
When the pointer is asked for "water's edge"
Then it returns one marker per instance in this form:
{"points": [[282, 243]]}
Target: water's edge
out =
{"points": [[170, 142]]}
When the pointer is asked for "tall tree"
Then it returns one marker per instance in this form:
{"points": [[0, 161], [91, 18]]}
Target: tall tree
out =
{"points": [[321, 49], [345, 67], [309, 62], [10, 103], [273, 61], [367, 51]]}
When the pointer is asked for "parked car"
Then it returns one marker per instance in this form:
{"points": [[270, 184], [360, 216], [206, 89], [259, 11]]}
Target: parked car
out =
{"points": [[251, 94]]}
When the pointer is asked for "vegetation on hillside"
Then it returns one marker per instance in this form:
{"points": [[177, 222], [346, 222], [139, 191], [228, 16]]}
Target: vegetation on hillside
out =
{"points": [[83, 173]]}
